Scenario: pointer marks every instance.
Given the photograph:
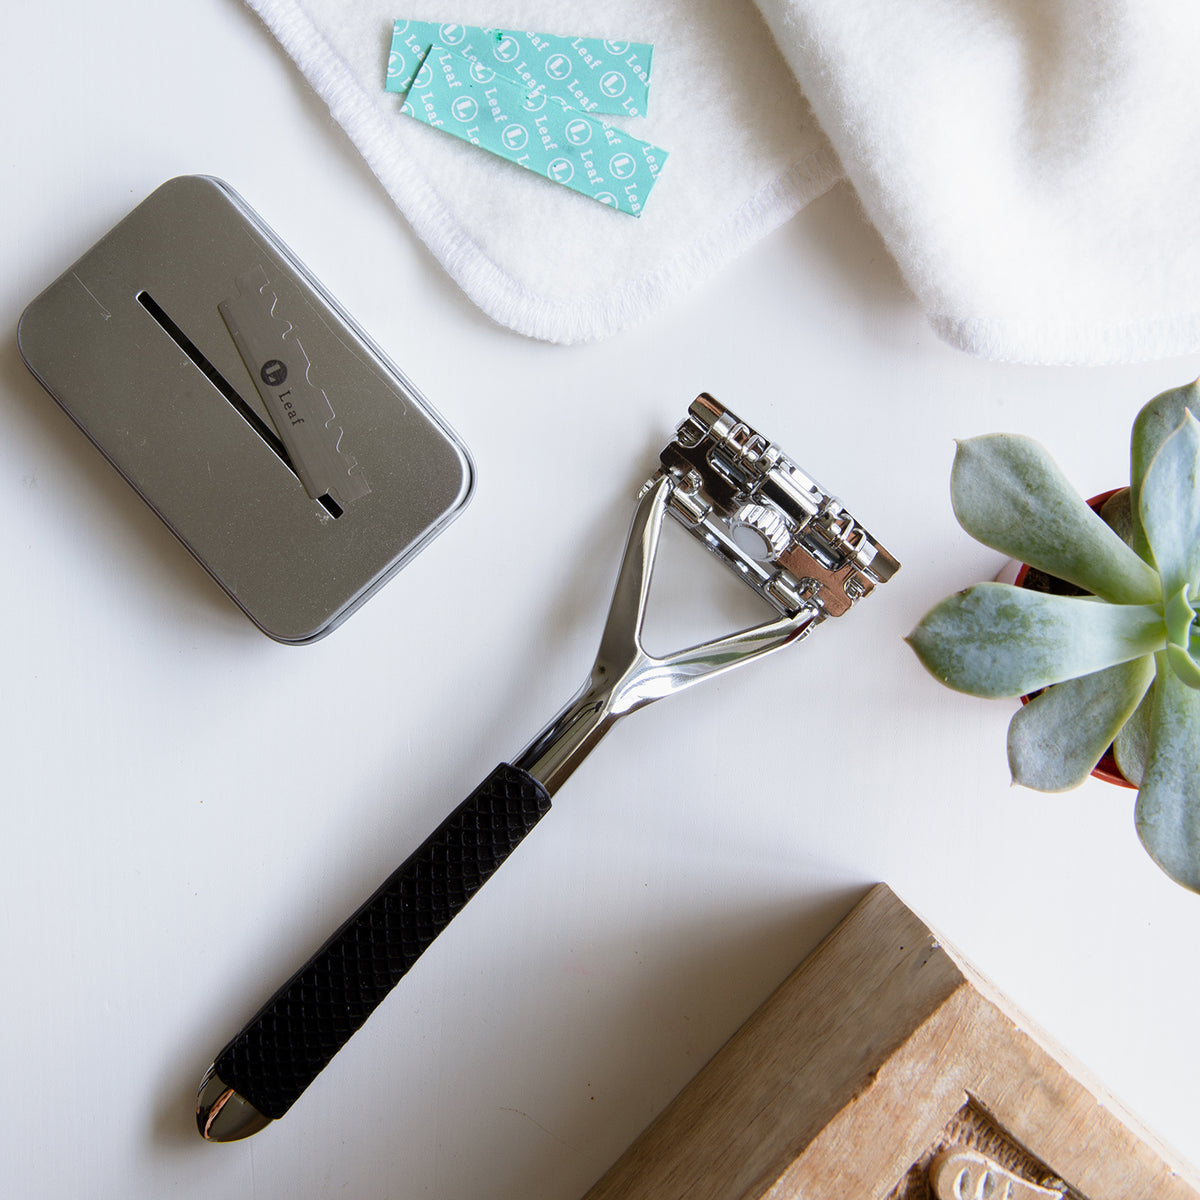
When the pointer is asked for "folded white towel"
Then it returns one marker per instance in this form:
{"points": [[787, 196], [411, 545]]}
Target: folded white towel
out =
{"points": [[1034, 165], [745, 155]]}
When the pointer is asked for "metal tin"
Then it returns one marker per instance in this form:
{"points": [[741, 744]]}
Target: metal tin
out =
{"points": [[246, 407]]}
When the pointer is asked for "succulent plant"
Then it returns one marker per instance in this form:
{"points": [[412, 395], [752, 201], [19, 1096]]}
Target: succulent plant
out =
{"points": [[1117, 666]]}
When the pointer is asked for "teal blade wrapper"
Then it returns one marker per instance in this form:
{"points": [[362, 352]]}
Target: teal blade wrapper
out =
{"points": [[471, 101], [590, 74]]}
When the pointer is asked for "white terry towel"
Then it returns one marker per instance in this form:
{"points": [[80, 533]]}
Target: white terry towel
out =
{"points": [[745, 155], [1033, 165]]}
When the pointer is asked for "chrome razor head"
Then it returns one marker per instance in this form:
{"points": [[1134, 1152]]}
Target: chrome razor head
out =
{"points": [[753, 507]]}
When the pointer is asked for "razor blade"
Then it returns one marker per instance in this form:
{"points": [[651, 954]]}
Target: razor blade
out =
{"points": [[756, 510], [274, 356]]}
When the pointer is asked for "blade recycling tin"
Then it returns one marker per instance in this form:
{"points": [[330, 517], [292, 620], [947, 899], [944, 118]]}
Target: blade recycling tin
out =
{"points": [[246, 407]]}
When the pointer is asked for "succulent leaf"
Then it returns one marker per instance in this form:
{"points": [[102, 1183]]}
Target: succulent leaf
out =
{"points": [[1184, 666], [1154, 424], [1170, 507], [1056, 739], [1131, 746], [994, 640], [1179, 616], [1168, 803], [1117, 514], [1009, 494]]}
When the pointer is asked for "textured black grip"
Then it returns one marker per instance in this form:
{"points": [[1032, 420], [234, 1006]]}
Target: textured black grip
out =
{"points": [[315, 1013]]}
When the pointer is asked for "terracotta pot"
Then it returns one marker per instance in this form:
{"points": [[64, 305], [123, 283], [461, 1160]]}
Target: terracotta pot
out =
{"points": [[1028, 576]]}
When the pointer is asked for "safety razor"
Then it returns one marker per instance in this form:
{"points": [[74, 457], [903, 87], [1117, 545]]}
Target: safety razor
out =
{"points": [[756, 510]]}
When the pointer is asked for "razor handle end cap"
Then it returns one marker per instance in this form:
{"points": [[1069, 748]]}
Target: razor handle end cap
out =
{"points": [[222, 1115]]}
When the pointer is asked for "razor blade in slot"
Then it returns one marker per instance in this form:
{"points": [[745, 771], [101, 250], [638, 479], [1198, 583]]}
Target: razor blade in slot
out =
{"points": [[792, 541], [300, 410]]}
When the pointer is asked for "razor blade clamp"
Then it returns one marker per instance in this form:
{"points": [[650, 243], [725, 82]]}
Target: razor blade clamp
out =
{"points": [[752, 506]]}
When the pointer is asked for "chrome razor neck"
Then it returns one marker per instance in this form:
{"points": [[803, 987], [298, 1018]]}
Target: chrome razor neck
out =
{"points": [[625, 677]]}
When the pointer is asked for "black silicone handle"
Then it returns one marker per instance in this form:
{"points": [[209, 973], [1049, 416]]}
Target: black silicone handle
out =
{"points": [[315, 1013]]}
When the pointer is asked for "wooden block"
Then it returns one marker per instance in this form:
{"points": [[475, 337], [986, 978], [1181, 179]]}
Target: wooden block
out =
{"points": [[880, 1056]]}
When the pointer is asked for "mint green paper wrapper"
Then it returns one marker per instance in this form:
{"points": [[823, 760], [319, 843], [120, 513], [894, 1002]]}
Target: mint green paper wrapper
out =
{"points": [[598, 76], [471, 101]]}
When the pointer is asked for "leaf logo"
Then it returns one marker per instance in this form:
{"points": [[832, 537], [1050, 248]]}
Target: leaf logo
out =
{"points": [[622, 165], [514, 136], [506, 48], [579, 132], [613, 84]]}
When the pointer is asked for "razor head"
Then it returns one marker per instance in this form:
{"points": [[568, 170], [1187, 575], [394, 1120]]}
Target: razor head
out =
{"points": [[753, 507]]}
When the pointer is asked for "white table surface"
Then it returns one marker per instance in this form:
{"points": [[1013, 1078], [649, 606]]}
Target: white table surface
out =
{"points": [[187, 812]]}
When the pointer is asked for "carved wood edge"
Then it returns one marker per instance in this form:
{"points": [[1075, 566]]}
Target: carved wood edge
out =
{"points": [[852, 1070]]}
